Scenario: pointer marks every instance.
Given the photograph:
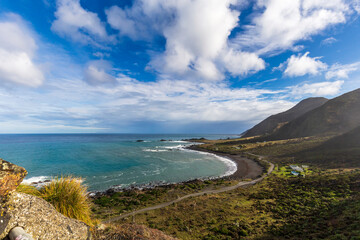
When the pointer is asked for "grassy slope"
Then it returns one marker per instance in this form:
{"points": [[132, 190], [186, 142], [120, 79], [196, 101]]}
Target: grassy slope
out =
{"points": [[268, 125], [340, 151], [117, 203], [338, 115], [280, 207]]}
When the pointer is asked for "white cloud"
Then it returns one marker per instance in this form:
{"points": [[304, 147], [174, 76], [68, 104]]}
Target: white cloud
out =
{"points": [[196, 33], [240, 63], [316, 89], [302, 65], [97, 72], [17, 50], [279, 24], [197, 37], [118, 19], [356, 5], [78, 24], [339, 71], [328, 41]]}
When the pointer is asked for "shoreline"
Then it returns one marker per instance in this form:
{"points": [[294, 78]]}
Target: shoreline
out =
{"points": [[239, 168], [245, 169]]}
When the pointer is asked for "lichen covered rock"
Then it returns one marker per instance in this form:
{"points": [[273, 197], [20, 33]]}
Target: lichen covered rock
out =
{"points": [[11, 176], [40, 219]]}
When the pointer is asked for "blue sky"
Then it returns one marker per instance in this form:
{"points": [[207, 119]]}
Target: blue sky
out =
{"points": [[170, 66]]}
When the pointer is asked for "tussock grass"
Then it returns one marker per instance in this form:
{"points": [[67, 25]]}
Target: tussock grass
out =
{"points": [[68, 195], [24, 188]]}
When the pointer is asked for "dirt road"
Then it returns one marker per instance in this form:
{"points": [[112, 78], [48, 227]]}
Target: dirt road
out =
{"points": [[224, 189]]}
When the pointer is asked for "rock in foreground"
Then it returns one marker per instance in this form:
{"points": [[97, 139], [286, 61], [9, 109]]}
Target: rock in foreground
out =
{"points": [[40, 219], [11, 176]]}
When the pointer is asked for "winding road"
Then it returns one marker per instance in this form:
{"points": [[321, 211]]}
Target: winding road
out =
{"points": [[224, 189]]}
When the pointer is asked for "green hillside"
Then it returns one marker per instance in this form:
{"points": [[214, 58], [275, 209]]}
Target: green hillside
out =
{"points": [[270, 124], [338, 115], [341, 151], [350, 139]]}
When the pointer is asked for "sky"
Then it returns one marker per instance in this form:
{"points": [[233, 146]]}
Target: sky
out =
{"points": [[170, 66]]}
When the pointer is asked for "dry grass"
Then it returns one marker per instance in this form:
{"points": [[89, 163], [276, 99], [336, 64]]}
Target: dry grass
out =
{"points": [[68, 195], [31, 190]]}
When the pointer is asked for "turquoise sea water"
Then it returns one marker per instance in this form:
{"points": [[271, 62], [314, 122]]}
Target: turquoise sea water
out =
{"points": [[106, 160]]}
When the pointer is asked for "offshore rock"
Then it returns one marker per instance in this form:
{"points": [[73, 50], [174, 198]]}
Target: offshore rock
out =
{"points": [[40, 219]]}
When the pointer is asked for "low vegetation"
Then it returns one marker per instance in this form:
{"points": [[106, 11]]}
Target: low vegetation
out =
{"points": [[28, 189], [68, 195], [116, 203], [129, 232], [278, 208]]}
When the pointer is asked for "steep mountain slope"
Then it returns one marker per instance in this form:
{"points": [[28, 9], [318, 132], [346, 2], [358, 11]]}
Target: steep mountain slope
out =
{"points": [[336, 116], [270, 124]]}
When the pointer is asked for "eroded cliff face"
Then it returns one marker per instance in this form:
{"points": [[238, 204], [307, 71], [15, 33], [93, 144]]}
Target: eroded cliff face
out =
{"points": [[38, 217]]}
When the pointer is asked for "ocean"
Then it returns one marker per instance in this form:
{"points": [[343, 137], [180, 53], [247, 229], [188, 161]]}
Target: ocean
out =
{"points": [[113, 160]]}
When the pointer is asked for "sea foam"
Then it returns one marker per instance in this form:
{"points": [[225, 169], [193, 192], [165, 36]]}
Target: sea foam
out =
{"points": [[231, 165]]}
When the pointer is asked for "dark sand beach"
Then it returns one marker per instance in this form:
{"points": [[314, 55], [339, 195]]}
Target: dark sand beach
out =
{"points": [[246, 168]]}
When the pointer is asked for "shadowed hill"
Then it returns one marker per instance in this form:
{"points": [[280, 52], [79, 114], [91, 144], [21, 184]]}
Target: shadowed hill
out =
{"points": [[350, 139], [270, 124], [336, 116], [337, 152]]}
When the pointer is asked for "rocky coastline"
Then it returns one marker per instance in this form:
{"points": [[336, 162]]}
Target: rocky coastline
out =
{"points": [[246, 169]]}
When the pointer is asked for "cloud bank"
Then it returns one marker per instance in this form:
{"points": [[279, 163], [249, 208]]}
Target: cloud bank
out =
{"points": [[17, 52], [320, 89]]}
